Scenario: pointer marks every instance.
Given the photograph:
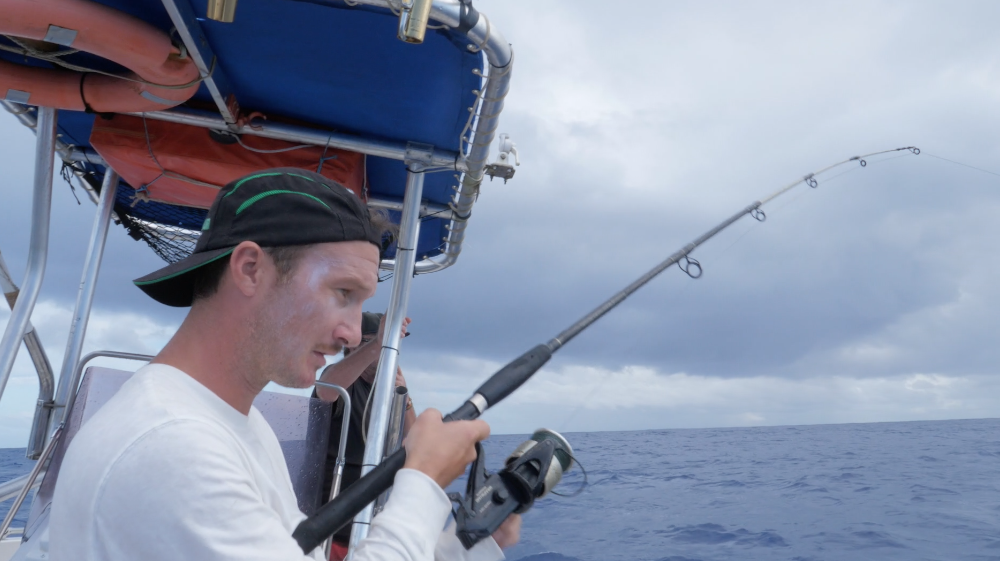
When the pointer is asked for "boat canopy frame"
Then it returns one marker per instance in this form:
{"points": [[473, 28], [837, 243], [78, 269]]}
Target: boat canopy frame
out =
{"points": [[420, 159]]}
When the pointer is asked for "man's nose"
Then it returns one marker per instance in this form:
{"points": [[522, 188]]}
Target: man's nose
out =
{"points": [[349, 331]]}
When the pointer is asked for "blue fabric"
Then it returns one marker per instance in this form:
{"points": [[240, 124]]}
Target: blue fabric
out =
{"points": [[327, 65]]}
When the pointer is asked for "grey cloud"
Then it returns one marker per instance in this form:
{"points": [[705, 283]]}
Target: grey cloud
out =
{"points": [[639, 131]]}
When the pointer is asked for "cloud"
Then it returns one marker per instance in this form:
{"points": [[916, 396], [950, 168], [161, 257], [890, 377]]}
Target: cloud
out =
{"points": [[107, 330], [574, 397], [637, 135]]}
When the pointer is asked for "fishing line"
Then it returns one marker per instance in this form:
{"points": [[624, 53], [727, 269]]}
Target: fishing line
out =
{"points": [[965, 165], [583, 484], [810, 179]]}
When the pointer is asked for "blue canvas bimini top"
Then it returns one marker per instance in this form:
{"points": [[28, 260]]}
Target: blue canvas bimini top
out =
{"points": [[329, 66]]}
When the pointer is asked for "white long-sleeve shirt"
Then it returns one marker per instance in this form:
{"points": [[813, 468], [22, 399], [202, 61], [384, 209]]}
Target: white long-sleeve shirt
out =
{"points": [[166, 470]]}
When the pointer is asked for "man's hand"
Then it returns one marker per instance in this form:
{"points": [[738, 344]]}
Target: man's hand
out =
{"points": [[442, 450], [381, 329], [509, 533]]}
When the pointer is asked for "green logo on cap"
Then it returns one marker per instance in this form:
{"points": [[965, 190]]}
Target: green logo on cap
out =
{"points": [[256, 198]]}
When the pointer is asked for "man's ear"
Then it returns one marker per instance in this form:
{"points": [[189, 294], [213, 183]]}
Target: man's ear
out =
{"points": [[249, 267]]}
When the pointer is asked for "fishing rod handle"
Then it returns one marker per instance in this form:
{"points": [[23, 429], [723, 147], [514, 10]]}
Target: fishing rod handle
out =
{"points": [[339, 512], [509, 378]]}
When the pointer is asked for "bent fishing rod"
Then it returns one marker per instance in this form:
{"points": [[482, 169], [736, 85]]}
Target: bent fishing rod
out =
{"points": [[340, 511]]}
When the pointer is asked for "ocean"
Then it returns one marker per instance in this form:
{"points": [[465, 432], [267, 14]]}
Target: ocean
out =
{"points": [[887, 491]]}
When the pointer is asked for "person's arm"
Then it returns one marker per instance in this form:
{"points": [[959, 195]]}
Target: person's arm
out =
{"points": [[350, 368], [409, 414], [345, 372]]}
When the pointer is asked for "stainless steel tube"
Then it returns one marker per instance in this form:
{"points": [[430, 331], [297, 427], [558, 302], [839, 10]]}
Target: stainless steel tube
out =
{"points": [[10, 489], [397, 419], [426, 209], [385, 377], [41, 209], [338, 468], [481, 35], [85, 295], [77, 373], [497, 86], [500, 57], [67, 152], [32, 477], [305, 135], [46, 379]]}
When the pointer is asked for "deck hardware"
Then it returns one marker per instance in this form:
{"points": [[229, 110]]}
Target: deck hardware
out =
{"points": [[222, 10], [418, 156], [413, 21], [501, 166]]}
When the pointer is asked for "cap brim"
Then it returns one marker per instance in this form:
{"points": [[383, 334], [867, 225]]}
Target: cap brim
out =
{"points": [[173, 285]]}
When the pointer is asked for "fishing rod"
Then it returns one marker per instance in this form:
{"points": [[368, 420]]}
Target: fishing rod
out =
{"points": [[339, 512]]}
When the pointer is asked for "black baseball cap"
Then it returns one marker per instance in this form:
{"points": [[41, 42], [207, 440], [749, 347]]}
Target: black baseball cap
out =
{"points": [[274, 208]]}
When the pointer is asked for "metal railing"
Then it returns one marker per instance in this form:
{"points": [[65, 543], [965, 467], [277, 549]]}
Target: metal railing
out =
{"points": [[338, 469], [41, 207]]}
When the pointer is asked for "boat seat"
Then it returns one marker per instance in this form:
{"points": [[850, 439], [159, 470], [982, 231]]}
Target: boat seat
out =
{"points": [[302, 425]]}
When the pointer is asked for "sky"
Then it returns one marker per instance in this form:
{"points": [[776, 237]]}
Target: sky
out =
{"points": [[874, 297]]}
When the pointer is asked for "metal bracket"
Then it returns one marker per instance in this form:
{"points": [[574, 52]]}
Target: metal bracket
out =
{"points": [[418, 156], [501, 167], [503, 171], [186, 22]]}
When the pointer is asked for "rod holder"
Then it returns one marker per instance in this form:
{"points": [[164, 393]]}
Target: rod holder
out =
{"points": [[393, 440], [413, 21], [222, 10]]}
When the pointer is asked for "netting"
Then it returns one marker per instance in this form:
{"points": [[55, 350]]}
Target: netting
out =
{"points": [[170, 231]]}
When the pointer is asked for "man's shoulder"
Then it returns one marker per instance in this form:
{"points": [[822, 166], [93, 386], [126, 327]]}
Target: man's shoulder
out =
{"points": [[99, 452], [147, 412]]}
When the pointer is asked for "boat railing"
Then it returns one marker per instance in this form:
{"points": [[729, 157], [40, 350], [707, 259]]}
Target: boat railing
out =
{"points": [[30, 482], [40, 360], [19, 487]]}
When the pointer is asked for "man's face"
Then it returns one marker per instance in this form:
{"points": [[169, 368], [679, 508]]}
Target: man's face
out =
{"points": [[314, 312]]}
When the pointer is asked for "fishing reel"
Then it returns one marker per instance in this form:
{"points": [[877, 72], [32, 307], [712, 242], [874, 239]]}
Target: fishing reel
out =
{"points": [[530, 472]]}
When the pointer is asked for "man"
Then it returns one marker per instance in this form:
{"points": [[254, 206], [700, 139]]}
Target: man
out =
{"points": [[178, 465]]}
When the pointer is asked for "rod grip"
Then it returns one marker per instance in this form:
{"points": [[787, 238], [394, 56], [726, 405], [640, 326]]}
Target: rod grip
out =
{"points": [[467, 412], [339, 512], [514, 374]]}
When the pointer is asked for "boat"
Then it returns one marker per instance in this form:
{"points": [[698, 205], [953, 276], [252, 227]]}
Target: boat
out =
{"points": [[399, 100]]}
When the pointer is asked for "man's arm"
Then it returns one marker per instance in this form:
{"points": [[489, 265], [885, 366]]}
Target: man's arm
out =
{"points": [[409, 414], [350, 368]]}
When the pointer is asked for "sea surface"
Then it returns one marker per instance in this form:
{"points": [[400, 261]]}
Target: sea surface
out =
{"points": [[885, 491]]}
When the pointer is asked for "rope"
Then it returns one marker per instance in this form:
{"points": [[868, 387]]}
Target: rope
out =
{"points": [[486, 39], [278, 151]]}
